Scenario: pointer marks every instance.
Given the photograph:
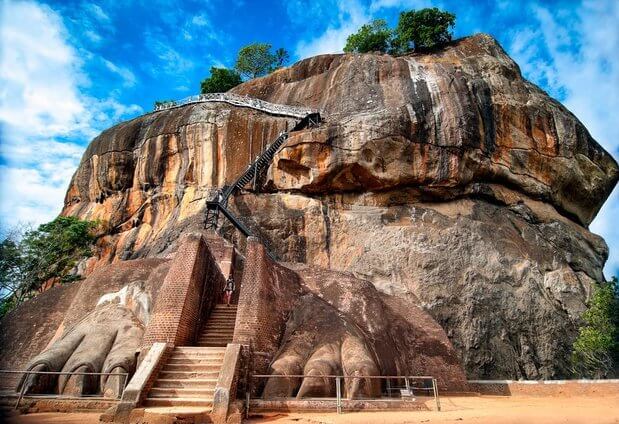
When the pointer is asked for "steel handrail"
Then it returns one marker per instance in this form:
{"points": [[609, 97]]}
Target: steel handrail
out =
{"points": [[338, 391], [71, 373]]}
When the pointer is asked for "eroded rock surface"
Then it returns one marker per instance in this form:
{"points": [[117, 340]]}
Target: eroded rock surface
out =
{"points": [[445, 179]]}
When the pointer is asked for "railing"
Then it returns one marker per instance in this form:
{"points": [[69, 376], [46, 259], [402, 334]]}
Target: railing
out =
{"points": [[26, 374], [403, 388], [242, 101]]}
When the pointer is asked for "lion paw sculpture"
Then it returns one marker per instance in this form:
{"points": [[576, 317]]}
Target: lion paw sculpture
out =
{"points": [[104, 341]]}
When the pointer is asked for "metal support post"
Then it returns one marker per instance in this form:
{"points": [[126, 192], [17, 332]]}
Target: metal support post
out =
{"points": [[338, 393], [435, 388], [23, 389]]}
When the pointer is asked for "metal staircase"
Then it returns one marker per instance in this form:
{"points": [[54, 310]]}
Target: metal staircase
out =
{"points": [[219, 203]]}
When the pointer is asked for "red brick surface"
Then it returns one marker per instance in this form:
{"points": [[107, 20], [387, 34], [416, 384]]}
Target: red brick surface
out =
{"points": [[261, 314], [193, 284]]}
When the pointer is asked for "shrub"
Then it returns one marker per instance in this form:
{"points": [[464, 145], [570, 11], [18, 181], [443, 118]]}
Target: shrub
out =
{"points": [[425, 28], [256, 60], [161, 103], [373, 37], [220, 81], [596, 350]]}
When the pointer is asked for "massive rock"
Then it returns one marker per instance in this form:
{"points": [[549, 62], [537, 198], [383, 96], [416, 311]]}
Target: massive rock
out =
{"points": [[446, 180]]}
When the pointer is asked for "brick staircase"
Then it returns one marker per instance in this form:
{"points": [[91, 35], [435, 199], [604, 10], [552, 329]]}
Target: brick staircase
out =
{"points": [[219, 329], [190, 375]]}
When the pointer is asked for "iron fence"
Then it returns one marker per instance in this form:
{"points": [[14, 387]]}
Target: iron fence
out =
{"points": [[393, 388], [25, 374]]}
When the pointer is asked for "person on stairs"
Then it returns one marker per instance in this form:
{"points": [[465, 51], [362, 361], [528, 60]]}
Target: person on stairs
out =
{"points": [[229, 289]]}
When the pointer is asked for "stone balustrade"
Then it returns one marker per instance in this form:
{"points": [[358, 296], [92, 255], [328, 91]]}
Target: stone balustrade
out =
{"points": [[242, 101]]}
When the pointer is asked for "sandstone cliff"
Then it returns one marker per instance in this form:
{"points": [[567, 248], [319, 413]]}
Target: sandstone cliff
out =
{"points": [[445, 179]]}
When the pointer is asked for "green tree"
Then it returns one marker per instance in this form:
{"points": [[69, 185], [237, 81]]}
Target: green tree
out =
{"points": [[11, 264], [425, 28], [220, 81], [596, 350], [51, 250], [281, 58], [48, 253], [373, 37], [256, 60]]}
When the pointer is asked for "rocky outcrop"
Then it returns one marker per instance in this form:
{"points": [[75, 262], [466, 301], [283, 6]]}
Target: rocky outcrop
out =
{"points": [[445, 179]]}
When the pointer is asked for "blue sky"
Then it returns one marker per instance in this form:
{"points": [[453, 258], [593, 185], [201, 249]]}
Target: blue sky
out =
{"points": [[69, 69]]}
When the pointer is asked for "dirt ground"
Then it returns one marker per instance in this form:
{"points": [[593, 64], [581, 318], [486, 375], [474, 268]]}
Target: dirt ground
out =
{"points": [[455, 410], [477, 410]]}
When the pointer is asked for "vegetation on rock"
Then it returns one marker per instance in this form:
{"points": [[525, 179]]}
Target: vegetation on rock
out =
{"points": [[47, 254], [220, 81], [161, 103], [256, 60], [596, 350], [373, 37], [425, 28], [416, 29]]}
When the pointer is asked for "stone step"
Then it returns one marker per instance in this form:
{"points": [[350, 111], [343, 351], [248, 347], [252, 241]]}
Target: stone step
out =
{"points": [[226, 333], [191, 362], [214, 344], [178, 402], [184, 392], [191, 367], [187, 375], [214, 341], [196, 349], [192, 382], [197, 356], [221, 329]]}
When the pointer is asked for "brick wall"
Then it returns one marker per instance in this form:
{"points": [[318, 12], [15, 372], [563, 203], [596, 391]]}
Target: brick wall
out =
{"points": [[186, 296], [262, 310]]}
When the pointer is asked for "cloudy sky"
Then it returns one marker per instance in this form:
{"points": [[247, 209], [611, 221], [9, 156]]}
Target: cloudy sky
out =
{"points": [[70, 69]]}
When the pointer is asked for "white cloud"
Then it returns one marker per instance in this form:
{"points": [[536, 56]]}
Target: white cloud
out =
{"points": [[580, 65], [98, 13], [126, 74], [350, 16], [42, 107]]}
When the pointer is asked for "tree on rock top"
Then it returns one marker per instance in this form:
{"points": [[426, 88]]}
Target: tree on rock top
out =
{"points": [[373, 37], [425, 28], [256, 60], [220, 81]]}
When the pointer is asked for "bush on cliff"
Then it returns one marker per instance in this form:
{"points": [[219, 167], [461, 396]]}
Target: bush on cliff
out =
{"points": [[47, 254], [596, 350], [373, 37], [256, 60], [425, 28], [220, 81], [161, 103]]}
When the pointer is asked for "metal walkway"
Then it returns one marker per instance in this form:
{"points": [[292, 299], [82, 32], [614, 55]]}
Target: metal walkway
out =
{"points": [[241, 101], [219, 203]]}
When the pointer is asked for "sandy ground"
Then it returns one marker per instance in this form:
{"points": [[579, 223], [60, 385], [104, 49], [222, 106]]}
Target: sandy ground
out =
{"points": [[455, 410], [55, 418], [478, 410]]}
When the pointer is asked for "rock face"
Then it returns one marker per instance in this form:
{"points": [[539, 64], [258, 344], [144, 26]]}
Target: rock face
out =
{"points": [[445, 179]]}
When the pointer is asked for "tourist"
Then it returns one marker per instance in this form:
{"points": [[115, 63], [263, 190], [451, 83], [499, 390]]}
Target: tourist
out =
{"points": [[228, 290]]}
